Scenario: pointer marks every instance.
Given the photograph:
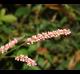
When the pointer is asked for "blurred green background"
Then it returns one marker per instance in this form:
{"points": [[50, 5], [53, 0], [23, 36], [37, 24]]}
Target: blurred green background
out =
{"points": [[28, 19]]}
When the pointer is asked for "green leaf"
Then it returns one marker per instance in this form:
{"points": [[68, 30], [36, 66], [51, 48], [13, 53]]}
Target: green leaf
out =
{"points": [[1, 22], [47, 65], [78, 66], [21, 51], [41, 62], [5, 29], [35, 68], [9, 18], [63, 21], [22, 11], [3, 11], [26, 67], [63, 65], [32, 48]]}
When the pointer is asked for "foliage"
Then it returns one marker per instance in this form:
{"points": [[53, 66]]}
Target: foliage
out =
{"points": [[29, 19]]}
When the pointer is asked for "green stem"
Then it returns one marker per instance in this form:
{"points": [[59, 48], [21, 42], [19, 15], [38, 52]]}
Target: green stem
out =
{"points": [[72, 9], [3, 55]]}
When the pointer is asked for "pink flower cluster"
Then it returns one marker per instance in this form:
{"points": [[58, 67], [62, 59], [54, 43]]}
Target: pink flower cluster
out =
{"points": [[26, 59], [8, 46], [46, 35]]}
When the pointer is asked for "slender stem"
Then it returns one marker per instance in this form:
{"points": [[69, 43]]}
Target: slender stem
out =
{"points": [[3, 55], [14, 49], [6, 57], [74, 10]]}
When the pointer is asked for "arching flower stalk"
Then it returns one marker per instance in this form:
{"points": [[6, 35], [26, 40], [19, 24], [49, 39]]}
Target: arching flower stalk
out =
{"points": [[9, 45], [26, 60], [47, 35], [35, 38]]}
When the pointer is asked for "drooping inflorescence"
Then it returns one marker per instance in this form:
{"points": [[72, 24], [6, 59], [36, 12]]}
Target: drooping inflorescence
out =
{"points": [[9, 45], [47, 35], [35, 38], [26, 60]]}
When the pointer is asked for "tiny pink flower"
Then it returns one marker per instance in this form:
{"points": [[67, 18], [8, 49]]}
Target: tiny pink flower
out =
{"points": [[26, 60], [47, 35], [8, 45]]}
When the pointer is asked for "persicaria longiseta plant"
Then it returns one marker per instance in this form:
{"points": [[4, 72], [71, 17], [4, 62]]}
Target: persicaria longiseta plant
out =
{"points": [[35, 38]]}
